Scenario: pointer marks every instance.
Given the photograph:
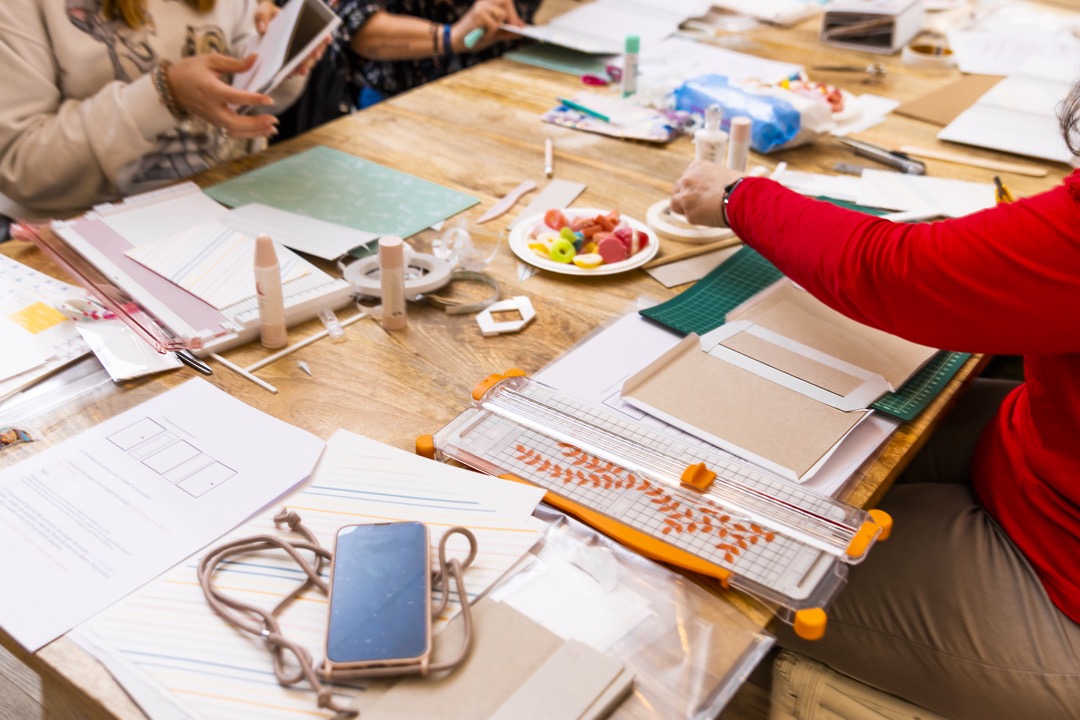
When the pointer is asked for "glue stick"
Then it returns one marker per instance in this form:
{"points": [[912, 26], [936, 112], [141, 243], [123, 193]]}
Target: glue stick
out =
{"points": [[630, 65], [739, 149], [392, 282], [710, 142], [268, 291]]}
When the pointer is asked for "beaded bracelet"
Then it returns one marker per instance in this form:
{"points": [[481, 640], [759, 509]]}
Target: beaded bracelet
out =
{"points": [[435, 40], [160, 77]]}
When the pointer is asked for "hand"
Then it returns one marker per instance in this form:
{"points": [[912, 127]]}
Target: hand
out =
{"points": [[264, 13], [490, 15], [198, 88], [699, 193]]}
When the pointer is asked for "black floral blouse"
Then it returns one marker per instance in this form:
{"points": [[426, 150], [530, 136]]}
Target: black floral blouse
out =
{"points": [[390, 77]]}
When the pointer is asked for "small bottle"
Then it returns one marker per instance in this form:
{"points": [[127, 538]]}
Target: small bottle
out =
{"points": [[630, 65], [270, 297], [710, 142], [739, 148], [392, 282]]}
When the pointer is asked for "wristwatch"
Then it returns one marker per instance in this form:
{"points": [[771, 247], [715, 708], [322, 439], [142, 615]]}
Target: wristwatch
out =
{"points": [[727, 198]]}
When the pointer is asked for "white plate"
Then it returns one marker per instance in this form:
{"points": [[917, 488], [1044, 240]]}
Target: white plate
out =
{"points": [[519, 243]]}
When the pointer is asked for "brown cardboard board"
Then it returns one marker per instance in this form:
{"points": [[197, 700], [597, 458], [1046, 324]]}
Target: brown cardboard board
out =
{"points": [[797, 315], [738, 410], [943, 105], [510, 655]]}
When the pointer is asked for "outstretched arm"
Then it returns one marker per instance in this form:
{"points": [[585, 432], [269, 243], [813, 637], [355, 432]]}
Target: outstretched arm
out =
{"points": [[1003, 280]]}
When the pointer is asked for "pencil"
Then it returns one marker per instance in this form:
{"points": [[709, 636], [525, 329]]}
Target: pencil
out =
{"points": [[582, 109], [694, 252], [1001, 193], [549, 157]]}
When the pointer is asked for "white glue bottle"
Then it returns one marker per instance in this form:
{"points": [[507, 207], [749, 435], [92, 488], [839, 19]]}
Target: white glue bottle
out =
{"points": [[630, 65], [739, 149], [268, 289], [392, 282], [710, 142]]}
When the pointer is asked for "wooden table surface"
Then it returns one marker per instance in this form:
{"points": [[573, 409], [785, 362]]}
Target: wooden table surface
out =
{"points": [[479, 131]]}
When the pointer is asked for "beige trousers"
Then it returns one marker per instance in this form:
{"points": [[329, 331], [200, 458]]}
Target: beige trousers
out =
{"points": [[946, 613]]}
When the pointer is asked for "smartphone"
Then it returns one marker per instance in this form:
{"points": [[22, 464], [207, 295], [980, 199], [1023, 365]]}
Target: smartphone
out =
{"points": [[380, 596]]}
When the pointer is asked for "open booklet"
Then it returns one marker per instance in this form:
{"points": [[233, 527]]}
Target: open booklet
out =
{"points": [[292, 35]]}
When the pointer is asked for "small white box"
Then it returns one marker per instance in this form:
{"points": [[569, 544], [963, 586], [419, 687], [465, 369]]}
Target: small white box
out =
{"points": [[880, 26]]}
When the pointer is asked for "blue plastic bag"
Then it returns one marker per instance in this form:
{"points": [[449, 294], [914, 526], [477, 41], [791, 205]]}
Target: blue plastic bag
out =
{"points": [[775, 121]]}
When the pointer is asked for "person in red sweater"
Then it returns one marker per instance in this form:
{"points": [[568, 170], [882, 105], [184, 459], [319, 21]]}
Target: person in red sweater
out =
{"points": [[971, 608]]}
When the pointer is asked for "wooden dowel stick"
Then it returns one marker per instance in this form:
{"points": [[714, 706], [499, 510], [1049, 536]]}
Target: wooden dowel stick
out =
{"points": [[972, 161]]}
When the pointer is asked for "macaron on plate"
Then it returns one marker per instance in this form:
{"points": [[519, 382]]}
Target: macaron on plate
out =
{"points": [[587, 242]]}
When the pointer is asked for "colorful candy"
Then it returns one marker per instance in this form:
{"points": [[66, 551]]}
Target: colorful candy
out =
{"points": [[586, 241]]}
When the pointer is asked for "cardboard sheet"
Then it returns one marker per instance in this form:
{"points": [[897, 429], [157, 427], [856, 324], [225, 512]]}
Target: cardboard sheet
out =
{"points": [[945, 104], [514, 663], [796, 314], [768, 424]]}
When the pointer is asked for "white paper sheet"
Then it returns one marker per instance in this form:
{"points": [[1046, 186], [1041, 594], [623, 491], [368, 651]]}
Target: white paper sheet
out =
{"points": [[670, 63], [898, 191], [1046, 54], [602, 26], [87, 521], [1017, 115]]}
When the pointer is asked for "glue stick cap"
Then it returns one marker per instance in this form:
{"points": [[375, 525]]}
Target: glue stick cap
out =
{"points": [[391, 252], [713, 116], [740, 129], [633, 44], [265, 255]]}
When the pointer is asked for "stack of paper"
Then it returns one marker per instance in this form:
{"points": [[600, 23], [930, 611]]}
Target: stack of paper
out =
{"points": [[1017, 115], [213, 262], [36, 337], [165, 636], [889, 190], [90, 520]]}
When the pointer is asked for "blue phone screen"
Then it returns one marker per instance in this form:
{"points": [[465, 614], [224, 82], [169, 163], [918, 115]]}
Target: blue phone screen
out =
{"points": [[380, 592]]}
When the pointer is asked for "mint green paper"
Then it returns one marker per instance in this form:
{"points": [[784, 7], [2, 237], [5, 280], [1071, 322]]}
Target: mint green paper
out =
{"points": [[331, 185]]}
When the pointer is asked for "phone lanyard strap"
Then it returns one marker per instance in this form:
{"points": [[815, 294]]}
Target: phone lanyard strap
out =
{"points": [[262, 623]]}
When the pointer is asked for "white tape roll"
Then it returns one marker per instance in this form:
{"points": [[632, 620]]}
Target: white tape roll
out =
{"points": [[935, 56], [666, 223]]}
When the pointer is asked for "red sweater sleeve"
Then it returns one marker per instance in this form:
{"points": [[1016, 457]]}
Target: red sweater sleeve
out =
{"points": [[1004, 280]]}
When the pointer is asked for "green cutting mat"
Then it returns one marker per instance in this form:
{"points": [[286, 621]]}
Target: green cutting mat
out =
{"points": [[331, 185], [704, 306]]}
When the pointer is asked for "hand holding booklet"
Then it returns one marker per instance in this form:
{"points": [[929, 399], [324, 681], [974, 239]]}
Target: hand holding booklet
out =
{"points": [[292, 35]]}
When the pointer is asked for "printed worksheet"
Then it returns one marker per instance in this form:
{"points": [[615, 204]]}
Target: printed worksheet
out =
{"points": [[86, 522]]}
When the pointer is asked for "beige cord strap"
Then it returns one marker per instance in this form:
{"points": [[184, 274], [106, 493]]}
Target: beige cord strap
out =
{"points": [[259, 622]]}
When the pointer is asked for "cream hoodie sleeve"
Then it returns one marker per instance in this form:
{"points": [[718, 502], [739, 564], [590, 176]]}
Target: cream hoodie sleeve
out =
{"points": [[59, 155], [55, 153]]}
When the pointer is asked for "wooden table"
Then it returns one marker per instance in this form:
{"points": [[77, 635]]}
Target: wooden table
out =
{"points": [[479, 132]]}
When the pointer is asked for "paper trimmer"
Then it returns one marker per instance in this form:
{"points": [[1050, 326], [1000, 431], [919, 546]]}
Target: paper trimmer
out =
{"points": [[665, 497]]}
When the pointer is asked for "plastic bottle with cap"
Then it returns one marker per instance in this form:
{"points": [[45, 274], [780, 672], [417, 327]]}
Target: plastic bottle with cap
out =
{"points": [[630, 65], [710, 142], [739, 147], [392, 282], [268, 292]]}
